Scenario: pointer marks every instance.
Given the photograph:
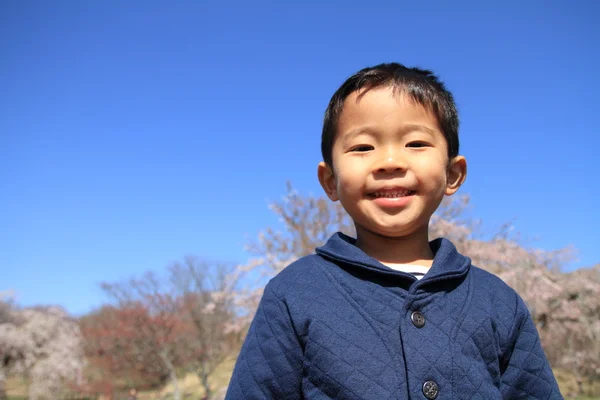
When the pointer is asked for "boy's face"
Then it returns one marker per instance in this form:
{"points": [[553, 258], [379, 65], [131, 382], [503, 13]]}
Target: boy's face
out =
{"points": [[390, 164]]}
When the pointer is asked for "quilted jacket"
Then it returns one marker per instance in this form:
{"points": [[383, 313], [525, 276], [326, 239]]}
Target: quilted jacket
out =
{"points": [[340, 325]]}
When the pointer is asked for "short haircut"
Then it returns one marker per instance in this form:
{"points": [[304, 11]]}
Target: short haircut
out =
{"points": [[420, 85]]}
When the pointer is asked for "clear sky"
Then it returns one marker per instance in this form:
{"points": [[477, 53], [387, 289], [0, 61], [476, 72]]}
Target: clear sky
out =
{"points": [[135, 133]]}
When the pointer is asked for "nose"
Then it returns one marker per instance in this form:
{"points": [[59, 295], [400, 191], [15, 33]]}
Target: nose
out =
{"points": [[391, 160]]}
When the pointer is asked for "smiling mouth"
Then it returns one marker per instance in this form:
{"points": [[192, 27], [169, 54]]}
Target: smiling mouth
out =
{"points": [[391, 193]]}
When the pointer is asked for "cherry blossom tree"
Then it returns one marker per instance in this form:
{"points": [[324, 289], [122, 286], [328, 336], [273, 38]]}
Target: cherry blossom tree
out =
{"points": [[203, 289], [42, 343], [154, 331], [122, 345], [176, 324]]}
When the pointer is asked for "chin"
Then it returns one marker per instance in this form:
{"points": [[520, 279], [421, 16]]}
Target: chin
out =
{"points": [[395, 231]]}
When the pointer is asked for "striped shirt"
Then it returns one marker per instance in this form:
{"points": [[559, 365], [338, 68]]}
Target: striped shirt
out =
{"points": [[418, 271]]}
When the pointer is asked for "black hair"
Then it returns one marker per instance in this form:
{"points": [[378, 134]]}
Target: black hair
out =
{"points": [[421, 85]]}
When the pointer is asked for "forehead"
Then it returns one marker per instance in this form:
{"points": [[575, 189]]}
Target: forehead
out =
{"points": [[383, 107]]}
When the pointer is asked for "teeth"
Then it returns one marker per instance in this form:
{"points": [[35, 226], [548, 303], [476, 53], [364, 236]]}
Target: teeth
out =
{"points": [[398, 193]]}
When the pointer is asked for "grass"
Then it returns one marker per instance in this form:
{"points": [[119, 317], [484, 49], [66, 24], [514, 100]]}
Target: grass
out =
{"points": [[582, 398], [16, 388], [192, 386], [569, 386]]}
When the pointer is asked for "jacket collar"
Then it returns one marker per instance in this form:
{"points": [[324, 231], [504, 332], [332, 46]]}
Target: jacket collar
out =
{"points": [[448, 263]]}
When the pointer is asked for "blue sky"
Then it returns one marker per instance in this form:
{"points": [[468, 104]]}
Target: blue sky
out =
{"points": [[135, 133]]}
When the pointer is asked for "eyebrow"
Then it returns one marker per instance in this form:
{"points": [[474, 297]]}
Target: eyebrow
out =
{"points": [[363, 130], [370, 131], [415, 127]]}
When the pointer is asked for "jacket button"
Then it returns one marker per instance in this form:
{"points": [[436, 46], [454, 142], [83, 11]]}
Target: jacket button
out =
{"points": [[430, 390], [418, 319]]}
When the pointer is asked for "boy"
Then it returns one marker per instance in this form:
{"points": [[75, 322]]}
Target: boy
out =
{"points": [[390, 315]]}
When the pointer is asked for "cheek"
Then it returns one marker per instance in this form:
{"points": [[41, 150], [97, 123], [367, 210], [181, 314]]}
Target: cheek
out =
{"points": [[348, 175], [345, 183], [432, 174]]}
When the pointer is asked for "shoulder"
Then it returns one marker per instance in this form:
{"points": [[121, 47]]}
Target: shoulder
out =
{"points": [[488, 288], [492, 286], [305, 275], [505, 305]]}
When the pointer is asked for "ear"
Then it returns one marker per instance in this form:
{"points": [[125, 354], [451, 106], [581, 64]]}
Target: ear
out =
{"points": [[327, 180], [456, 174]]}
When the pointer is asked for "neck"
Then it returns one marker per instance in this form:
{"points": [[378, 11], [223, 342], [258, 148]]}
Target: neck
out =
{"points": [[412, 249]]}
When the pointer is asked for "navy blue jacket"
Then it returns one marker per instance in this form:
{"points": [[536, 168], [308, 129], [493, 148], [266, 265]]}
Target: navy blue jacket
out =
{"points": [[340, 325]]}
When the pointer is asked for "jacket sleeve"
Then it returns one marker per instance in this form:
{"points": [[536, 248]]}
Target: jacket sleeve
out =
{"points": [[527, 373], [269, 365]]}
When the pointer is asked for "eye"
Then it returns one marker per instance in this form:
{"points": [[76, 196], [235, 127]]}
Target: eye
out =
{"points": [[362, 148], [418, 144]]}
